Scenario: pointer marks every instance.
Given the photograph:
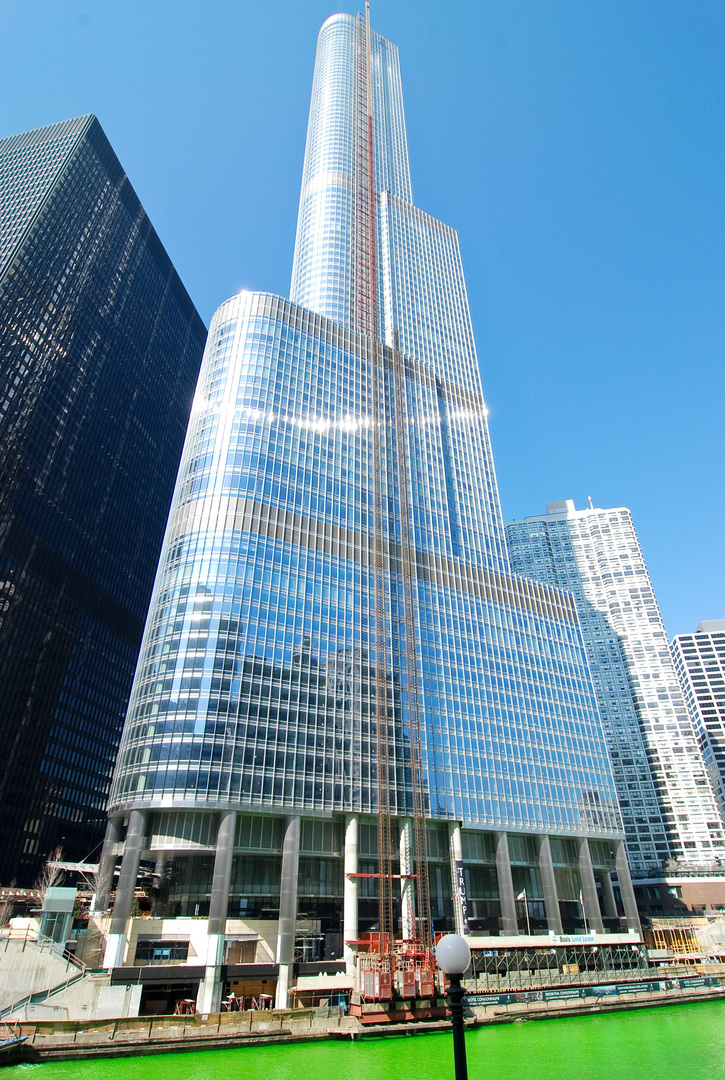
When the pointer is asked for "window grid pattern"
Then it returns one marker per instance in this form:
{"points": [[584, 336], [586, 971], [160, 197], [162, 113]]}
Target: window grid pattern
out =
{"points": [[426, 317], [100, 349], [323, 275], [30, 164], [255, 686], [700, 663], [667, 802]]}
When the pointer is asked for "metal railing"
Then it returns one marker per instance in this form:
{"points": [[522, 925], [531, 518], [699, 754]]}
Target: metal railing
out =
{"points": [[43, 944], [41, 996]]}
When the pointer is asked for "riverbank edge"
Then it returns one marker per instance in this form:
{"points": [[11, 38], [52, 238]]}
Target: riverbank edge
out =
{"points": [[44, 1042]]}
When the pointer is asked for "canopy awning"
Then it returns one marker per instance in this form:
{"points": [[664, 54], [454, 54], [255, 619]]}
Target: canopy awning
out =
{"points": [[322, 983]]}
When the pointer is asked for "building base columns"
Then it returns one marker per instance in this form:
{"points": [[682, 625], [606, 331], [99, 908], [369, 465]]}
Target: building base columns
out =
{"points": [[460, 912], [610, 902], [117, 937], [107, 864], [510, 924], [210, 988], [350, 895], [407, 883], [548, 881], [287, 910], [115, 950], [590, 901], [626, 889]]}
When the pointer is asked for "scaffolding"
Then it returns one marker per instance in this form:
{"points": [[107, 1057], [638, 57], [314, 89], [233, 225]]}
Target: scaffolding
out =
{"points": [[409, 973], [526, 968], [365, 319], [680, 940]]}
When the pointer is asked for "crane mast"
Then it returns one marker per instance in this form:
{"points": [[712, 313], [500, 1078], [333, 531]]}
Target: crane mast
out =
{"points": [[389, 424]]}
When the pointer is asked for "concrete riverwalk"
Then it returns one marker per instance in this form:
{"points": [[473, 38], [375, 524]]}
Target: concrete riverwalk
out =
{"points": [[67, 1040]]}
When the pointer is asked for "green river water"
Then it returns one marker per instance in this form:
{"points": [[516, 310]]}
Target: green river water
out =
{"points": [[678, 1042]]}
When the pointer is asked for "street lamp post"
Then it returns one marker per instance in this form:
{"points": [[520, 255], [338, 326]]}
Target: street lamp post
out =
{"points": [[453, 957]]}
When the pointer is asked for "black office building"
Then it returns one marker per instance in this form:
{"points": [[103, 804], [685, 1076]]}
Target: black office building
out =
{"points": [[100, 347]]}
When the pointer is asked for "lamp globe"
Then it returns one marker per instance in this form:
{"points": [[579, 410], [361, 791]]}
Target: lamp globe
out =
{"points": [[453, 954]]}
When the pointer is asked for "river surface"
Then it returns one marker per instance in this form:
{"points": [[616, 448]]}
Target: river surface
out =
{"points": [[677, 1042]]}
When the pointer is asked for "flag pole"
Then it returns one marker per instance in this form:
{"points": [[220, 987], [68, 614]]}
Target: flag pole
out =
{"points": [[522, 896]]}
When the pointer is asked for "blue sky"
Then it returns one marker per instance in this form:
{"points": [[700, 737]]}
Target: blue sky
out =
{"points": [[578, 146]]}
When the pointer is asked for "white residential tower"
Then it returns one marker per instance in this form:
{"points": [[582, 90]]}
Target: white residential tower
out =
{"points": [[667, 801]]}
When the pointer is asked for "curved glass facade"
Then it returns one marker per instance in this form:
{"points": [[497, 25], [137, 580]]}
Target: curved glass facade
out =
{"points": [[256, 685], [341, 682], [334, 179]]}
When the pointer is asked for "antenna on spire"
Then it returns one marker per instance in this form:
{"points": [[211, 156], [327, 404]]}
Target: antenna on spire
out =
{"points": [[367, 52]]}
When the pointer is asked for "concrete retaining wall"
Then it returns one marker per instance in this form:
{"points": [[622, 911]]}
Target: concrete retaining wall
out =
{"points": [[26, 968], [152, 1035], [533, 1010], [155, 1034]]}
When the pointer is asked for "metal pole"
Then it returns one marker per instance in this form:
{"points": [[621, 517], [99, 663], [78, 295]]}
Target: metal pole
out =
{"points": [[455, 996]]}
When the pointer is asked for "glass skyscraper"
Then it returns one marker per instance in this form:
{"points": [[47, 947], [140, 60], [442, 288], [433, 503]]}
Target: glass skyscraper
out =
{"points": [[100, 348], [340, 676], [700, 664], [667, 802]]}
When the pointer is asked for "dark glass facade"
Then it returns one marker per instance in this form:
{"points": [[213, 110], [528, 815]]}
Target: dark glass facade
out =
{"points": [[100, 349]]}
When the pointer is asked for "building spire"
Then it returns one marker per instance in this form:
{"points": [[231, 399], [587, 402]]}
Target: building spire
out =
{"points": [[356, 149], [367, 53]]}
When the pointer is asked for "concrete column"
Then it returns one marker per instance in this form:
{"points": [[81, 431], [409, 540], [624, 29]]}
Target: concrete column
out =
{"points": [[610, 903], [107, 864], [349, 911], [118, 934], [210, 988], [589, 887], [219, 903], [407, 884], [459, 885], [506, 886], [548, 880], [287, 910], [625, 887]]}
